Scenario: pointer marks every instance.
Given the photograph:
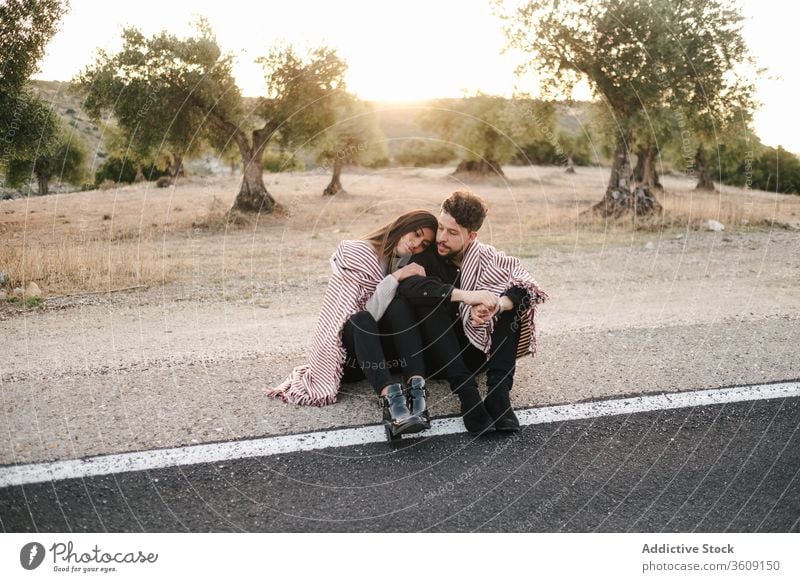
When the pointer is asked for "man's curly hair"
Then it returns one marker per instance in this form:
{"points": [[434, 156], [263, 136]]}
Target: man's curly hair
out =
{"points": [[468, 209]]}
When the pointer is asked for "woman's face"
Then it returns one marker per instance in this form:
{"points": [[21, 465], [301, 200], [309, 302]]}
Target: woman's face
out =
{"points": [[414, 242]]}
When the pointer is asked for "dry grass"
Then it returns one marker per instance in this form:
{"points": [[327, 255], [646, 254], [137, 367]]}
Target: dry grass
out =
{"points": [[140, 235], [89, 265]]}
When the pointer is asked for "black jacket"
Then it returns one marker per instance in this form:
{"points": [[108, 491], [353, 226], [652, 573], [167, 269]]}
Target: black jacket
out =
{"points": [[441, 277]]}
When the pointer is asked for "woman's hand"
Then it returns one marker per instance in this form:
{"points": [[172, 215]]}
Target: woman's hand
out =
{"points": [[486, 298], [410, 270]]}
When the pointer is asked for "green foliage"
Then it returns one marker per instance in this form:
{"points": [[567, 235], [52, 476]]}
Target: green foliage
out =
{"points": [[758, 167], [25, 29], [123, 170], [29, 302], [33, 128], [27, 125], [33, 302], [152, 117], [282, 161], [62, 156], [661, 67], [182, 91], [539, 152], [423, 153], [355, 136], [556, 152], [487, 127], [303, 94]]}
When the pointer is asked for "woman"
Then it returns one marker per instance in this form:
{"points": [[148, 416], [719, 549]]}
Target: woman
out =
{"points": [[362, 321]]}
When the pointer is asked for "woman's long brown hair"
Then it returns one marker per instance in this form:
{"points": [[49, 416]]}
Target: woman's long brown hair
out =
{"points": [[385, 238]]}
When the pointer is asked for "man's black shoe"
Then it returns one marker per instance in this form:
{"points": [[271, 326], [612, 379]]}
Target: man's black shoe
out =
{"points": [[498, 405], [476, 418]]}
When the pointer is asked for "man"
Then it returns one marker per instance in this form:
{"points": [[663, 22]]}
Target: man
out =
{"points": [[472, 304]]}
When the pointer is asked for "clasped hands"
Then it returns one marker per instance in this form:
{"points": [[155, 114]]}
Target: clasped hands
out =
{"points": [[483, 306]]}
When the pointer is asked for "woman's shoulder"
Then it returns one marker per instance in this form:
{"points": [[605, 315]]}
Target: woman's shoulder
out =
{"points": [[356, 248], [355, 254], [356, 245]]}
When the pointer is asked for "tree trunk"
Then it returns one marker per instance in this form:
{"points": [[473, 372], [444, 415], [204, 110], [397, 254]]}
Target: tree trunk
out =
{"points": [[704, 181], [623, 195], [176, 167], [480, 167], [253, 195], [139, 173], [645, 172], [336, 183], [43, 181]]}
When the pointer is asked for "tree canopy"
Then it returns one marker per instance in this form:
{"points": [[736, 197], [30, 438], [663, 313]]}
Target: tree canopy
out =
{"points": [[29, 127], [191, 85], [488, 130], [641, 58], [26, 26], [354, 138], [63, 157]]}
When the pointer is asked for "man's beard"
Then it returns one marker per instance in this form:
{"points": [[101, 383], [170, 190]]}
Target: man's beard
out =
{"points": [[453, 256]]}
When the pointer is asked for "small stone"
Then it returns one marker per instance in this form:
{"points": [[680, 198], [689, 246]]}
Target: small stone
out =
{"points": [[17, 292], [3, 277], [650, 246], [3, 295], [32, 290], [714, 225]]}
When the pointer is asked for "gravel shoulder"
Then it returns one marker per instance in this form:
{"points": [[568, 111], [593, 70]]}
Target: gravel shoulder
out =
{"points": [[186, 364]]}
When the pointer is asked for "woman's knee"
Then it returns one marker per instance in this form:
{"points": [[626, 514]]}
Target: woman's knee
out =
{"points": [[399, 316], [400, 309], [363, 321]]}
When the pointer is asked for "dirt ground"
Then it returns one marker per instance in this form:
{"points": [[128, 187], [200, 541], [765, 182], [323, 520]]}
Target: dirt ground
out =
{"points": [[216, 312]]}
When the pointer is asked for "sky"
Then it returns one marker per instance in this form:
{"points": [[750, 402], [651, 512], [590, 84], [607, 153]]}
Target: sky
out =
{"points": [[397, 51]]}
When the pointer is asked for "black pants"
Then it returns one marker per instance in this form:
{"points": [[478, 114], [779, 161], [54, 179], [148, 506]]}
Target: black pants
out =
{"points": [[450, 355], [376, 349]]}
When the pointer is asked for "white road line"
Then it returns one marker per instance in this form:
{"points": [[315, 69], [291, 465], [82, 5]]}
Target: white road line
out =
{"points": [[211, 453]]}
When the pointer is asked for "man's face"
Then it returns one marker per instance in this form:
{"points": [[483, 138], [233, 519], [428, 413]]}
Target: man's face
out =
{"points": [[452, 238]]}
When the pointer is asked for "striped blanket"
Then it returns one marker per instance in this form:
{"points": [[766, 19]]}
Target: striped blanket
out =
{"points": [[356, 273], [486, 268]]}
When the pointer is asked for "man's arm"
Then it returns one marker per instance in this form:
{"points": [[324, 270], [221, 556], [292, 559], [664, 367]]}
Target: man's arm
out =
{"points": [[428, 290], [425, 290], [431, 291]]}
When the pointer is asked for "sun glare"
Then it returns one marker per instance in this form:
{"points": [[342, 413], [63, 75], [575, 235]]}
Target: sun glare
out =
{"points": [[407, 51]]}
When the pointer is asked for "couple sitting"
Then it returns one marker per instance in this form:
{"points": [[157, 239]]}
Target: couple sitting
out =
{"points": [[450, 310]]}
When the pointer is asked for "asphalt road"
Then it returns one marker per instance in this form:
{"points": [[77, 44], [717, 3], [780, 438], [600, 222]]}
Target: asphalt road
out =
{"points": [[733, 467]]}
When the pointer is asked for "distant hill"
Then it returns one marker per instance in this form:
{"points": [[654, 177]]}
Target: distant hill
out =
{"points": [[68, 107], [396, 120]]}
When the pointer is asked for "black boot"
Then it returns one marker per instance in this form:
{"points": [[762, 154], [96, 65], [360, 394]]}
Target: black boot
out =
{"points": [[476, 418], [498, 405], [417, 400], [396, 417]]}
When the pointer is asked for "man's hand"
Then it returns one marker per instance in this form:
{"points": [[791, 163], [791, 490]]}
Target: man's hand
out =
{"points": [[409, 270], [480, 314]]}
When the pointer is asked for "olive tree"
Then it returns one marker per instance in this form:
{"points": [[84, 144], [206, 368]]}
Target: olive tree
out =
{"points": [[188, 84], [641, 58]]}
